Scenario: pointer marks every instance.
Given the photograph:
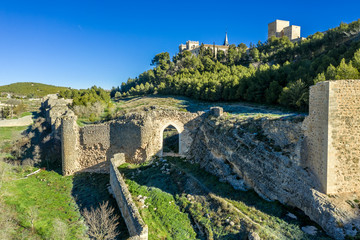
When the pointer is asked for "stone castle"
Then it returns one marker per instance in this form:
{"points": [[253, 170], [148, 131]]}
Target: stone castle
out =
{"points": [[280, 28], [299, 163]]}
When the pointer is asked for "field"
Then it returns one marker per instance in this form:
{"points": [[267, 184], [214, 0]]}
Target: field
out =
{"points": [[177, 198]]}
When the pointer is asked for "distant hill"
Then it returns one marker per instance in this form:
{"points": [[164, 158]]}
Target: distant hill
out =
{"points": [[31, 89]]}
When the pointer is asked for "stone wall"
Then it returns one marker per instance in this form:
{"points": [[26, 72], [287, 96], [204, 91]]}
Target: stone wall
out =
{"points": [[137, 135], [333, 135], [344, 136], [69, 145], [137, 228]]}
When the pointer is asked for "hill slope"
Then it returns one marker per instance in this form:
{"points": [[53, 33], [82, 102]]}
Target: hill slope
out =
{"points": [[31, 89], [275, 72]]}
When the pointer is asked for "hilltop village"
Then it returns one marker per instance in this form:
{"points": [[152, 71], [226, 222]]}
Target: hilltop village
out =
{"points": [[278, 28]]}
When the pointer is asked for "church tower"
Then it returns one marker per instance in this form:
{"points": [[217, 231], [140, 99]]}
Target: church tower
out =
{"points": [[226, 42]]}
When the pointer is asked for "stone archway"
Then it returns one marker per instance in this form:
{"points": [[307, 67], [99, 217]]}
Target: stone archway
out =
{"points": [[179, 127]]}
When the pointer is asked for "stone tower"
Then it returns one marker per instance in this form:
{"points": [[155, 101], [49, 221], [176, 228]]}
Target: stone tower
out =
{"points": [[332, 130]]}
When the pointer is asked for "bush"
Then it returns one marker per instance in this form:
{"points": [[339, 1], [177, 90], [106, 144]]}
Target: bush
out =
{"points": [[102, 222]]}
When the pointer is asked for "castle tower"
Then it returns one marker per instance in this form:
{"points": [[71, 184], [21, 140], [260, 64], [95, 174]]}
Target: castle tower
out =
{"points": [[226, 42]]}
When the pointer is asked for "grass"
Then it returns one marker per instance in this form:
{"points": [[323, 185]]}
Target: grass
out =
{"points": [[7, 136], [30, 88], [43, 205], [215, 210], [163, 217], [24, 114]]}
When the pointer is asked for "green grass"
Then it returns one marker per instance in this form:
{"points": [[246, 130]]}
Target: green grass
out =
{"points": [[7, 136], [8, 133], [163, 217], [24, 114], [30, 88], [211, 205], [43, 204]]}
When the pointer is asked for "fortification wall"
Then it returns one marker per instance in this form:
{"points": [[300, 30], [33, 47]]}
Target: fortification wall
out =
{"points": [[344, 136], [316, 132], [137, 228], [333, 135], [137, 135]]}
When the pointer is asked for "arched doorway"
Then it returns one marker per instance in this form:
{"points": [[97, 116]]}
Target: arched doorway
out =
{"points": [[171, 140]]}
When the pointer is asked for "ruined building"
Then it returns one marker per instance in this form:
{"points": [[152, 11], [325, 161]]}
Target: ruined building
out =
{"points": [[280, 28], [310, 164], [194, 46]]}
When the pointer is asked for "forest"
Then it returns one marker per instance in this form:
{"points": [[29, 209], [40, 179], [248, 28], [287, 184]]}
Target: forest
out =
{"points": [[277, 72]]}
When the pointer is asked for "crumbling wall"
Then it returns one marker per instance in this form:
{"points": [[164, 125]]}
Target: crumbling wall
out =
{"points": [[137, 135], [137, 228]]}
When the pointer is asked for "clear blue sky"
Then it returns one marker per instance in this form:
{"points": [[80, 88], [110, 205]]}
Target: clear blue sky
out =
{"points": [[83, 43]]}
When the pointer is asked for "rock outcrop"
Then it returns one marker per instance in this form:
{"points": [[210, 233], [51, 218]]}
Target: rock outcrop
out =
{"points": [[267, 155]]}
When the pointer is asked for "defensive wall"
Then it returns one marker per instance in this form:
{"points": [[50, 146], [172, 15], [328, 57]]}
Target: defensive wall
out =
{"points": [[293, 161], [136, 226], [332, 132], [138, 135]]}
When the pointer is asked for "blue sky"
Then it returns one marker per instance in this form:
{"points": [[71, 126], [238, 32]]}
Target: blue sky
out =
{"points": [[84, 43]]}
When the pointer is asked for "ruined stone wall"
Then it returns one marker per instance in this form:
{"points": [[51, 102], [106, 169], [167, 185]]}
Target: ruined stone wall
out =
{"points": [[137, 228], [333, 135], [69, 145], [137, 135]]}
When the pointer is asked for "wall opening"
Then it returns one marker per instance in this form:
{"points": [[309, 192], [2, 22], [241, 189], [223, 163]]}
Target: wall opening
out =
{"points": [[171, 140]]}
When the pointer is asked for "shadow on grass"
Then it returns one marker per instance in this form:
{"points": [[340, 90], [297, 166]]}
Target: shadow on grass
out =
{"points": [[90, 189]]}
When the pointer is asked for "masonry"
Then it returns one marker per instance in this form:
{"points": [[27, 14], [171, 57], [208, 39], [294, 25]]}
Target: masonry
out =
{"points": [[333, 135], [137, 135]]}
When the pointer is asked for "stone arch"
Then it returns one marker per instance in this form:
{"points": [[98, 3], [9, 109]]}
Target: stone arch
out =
{"points": [[180, 129]]}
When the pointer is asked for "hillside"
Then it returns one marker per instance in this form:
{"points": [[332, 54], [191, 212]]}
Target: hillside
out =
{"points": [[30, 89], [277, 72]]}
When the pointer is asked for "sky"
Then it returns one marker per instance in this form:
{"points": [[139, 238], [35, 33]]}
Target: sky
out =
{"points": [[79, 43]]}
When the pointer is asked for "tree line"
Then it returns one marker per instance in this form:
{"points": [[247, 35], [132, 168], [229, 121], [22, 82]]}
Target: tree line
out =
{"points": [[275, 72]]}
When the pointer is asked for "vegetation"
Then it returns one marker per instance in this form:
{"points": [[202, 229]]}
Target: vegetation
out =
{"points": [[276, 72], [47, 205], [40, 206], [102, 222], [90, 105], [30, 89], [172, 188], [91, 189], [7, 136]]}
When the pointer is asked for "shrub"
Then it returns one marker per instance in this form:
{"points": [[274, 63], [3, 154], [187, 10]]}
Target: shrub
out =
{"points": [[102, 222]]}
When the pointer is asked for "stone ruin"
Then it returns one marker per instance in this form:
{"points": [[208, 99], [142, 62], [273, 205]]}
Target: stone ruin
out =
{"points": [[319, 155]]}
